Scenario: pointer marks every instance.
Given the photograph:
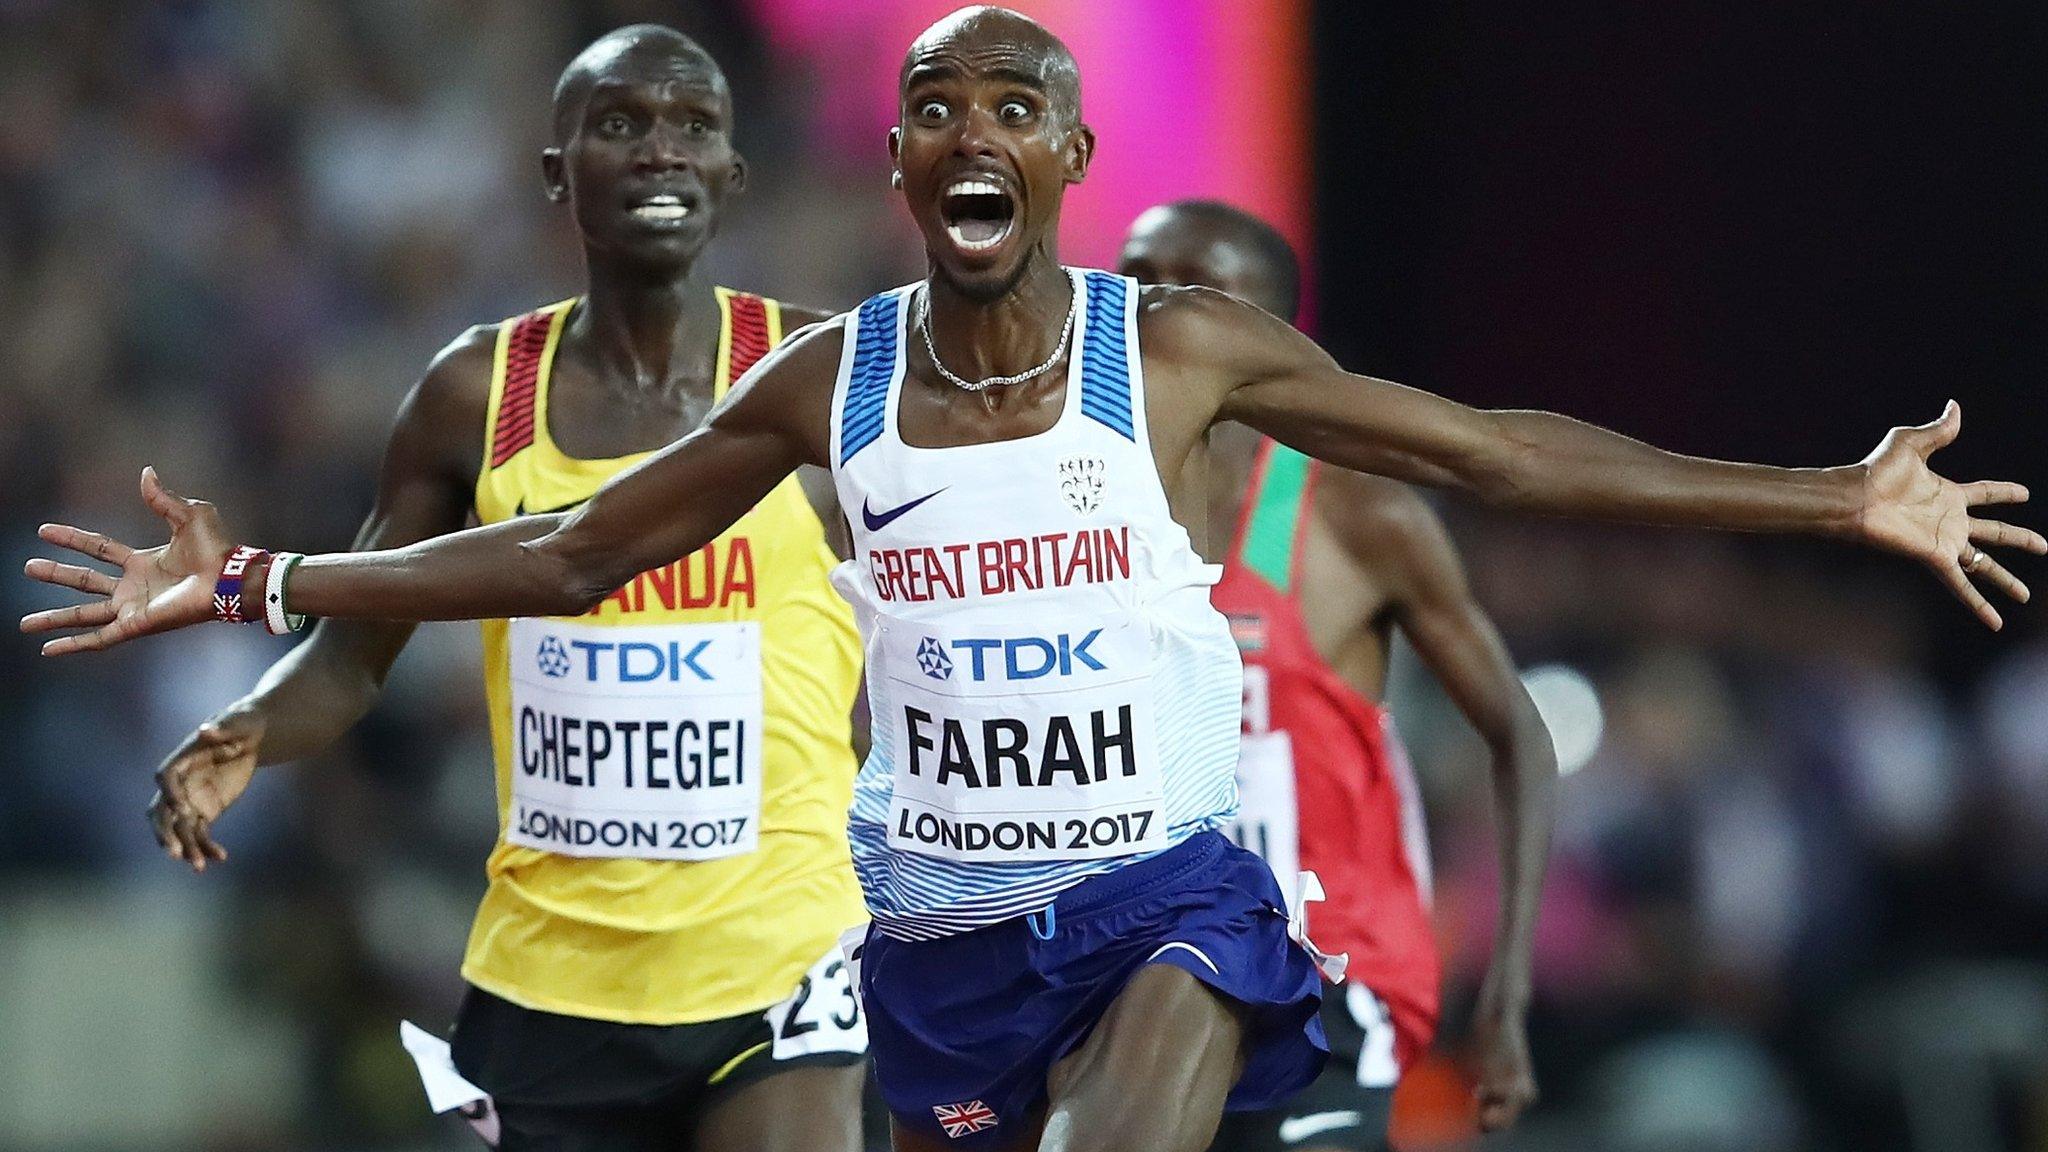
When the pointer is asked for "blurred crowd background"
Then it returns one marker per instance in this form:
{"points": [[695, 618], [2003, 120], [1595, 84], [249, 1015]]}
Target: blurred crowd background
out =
{"points": [[1800, 893]]}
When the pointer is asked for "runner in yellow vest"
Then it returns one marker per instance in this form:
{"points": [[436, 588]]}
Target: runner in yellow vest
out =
{"points": [[654, 963]]}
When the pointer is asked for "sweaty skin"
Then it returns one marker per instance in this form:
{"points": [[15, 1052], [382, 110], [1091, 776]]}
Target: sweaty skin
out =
{"points": [[1374, 557], [985, 97], [641, 111]]}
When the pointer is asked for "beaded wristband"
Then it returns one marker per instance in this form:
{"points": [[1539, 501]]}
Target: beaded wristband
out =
{"points": [[276, 616], [227, 590]]}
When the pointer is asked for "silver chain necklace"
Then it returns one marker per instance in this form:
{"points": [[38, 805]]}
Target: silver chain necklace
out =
{"points": [[924, 325]]}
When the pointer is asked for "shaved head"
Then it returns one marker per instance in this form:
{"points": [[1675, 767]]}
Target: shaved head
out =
{"points": [[643, 51], [1216, 245], [1007, 40]]}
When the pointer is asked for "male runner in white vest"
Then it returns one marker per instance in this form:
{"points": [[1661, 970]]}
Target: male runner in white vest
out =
{"points": [[1066, 953]]}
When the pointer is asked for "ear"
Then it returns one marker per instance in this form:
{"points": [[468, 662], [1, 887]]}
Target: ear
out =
{"points": [[553, 176], [738, 180], [896, 157], [1079, 152]]}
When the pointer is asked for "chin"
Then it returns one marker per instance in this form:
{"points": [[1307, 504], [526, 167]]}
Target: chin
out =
{"points": [[659, 253], [982, 281]]}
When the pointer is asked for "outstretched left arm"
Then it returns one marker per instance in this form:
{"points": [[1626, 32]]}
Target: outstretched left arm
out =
{"points": [[1274, 379]]}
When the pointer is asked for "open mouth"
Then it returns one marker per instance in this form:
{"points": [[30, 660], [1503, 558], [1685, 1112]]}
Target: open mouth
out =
{"points": [[977, 214], [661, 209]]}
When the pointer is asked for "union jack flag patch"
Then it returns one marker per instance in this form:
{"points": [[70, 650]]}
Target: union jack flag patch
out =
{"points": [[962, 1119]]}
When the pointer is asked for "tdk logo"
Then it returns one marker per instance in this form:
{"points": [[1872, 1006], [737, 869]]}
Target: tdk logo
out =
{"points": [[932, 658], [1012, 658], [627, 662], [552, 658]]}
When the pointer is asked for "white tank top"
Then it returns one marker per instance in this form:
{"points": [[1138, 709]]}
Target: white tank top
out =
{"points": [[1053, 695]]}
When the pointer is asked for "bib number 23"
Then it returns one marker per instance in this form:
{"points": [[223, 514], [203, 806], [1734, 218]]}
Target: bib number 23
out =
{"points": [[822, 1015]]}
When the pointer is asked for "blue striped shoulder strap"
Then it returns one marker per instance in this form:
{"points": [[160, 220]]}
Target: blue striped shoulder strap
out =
{"points": [[1106, 353], [867, 382]]}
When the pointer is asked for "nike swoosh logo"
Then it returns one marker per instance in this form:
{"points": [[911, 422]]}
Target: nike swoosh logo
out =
{"points": [[1295, 1129], [520, 509], [876, 521]]}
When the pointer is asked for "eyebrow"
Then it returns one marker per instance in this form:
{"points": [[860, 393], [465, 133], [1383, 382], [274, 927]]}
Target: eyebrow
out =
{"points": [[700, 94], [925, 73]]}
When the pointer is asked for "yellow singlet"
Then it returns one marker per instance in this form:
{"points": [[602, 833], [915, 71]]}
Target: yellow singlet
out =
{"points": [[607, 728]]}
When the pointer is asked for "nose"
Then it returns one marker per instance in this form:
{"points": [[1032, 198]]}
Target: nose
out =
{"points": [[976, 139], [661, 150]]}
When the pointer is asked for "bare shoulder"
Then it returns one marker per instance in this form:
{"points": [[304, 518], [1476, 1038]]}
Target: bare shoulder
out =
{"points": [[440, 427], [1213, 344], [1383, 523], [456, 387], [1190, 321]]}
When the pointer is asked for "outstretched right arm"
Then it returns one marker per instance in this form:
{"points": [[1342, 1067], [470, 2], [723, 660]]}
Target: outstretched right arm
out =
{"points": [[322, 687], [668, 506]]}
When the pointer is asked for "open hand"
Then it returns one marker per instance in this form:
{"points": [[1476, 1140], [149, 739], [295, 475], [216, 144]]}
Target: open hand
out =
{"points": [[1909, 508], [198, 782], [159, 589]]}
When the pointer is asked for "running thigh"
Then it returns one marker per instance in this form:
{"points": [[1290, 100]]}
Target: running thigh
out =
{"points": [[1153, 1074], [813, 1109]]}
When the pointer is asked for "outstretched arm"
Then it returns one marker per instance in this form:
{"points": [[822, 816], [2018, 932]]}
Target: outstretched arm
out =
{"points": [[667, 506], [1391, 530], [324, 685], [1271, 377]]}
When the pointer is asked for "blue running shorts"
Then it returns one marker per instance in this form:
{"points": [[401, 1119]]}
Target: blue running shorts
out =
{"points": [[964, 1029]]}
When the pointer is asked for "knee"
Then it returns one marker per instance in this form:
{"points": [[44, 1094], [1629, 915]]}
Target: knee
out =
{"points": [[1131, 1124], [1149, 1141]]}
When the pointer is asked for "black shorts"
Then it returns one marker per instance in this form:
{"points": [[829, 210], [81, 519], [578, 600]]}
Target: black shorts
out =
{"points": [[1350, 1105], [566, 1083]]}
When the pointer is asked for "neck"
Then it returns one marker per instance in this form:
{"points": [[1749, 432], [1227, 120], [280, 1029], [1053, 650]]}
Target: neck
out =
{"points": [[642, 323], [1004, 335]]}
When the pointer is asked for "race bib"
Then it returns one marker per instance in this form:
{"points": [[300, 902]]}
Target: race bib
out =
{"points": [[1268, 822], [1378, 1066], [640, 741], [1034, 743], [823, 1015]]}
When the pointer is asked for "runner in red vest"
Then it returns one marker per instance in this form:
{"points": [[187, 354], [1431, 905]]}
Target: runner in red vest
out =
{"points": [[1321, 565]]}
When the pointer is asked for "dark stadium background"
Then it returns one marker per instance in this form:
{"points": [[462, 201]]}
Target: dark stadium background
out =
{"points": [[1801, 894]]}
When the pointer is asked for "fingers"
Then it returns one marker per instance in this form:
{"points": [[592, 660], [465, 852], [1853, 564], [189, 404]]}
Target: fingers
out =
{"points": [[1952, 575], [1501, 1105], [1993, 573], [122, 629], [1999, 534], [175, 817], [83, 579], [103, 548], [172, 825], [185, 826], [203, 829], [1994, 492], [159, 816], [164, 502], [1938, 434], [77, 616]]}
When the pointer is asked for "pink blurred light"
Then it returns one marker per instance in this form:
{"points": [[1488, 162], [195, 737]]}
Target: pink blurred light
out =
{"points": [[1187, 98]]}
